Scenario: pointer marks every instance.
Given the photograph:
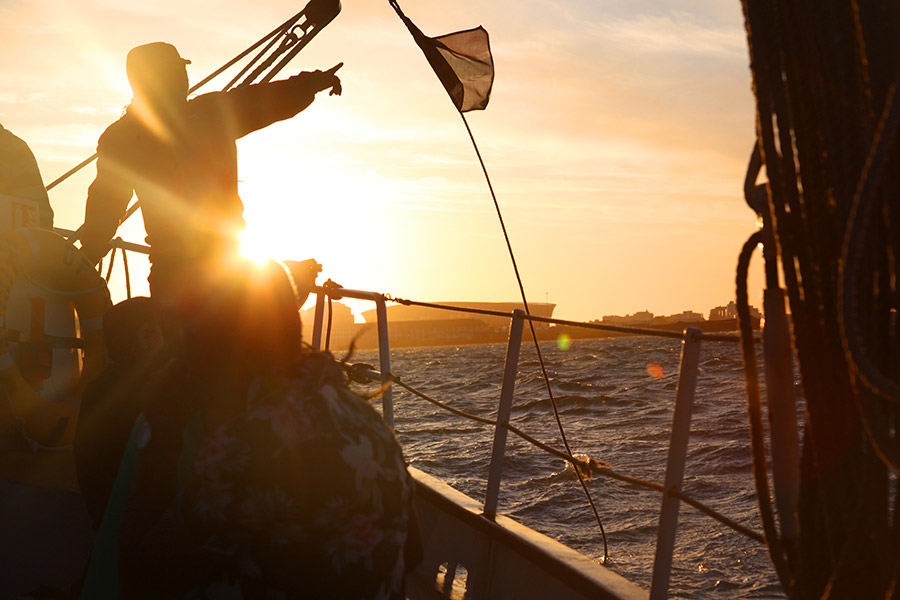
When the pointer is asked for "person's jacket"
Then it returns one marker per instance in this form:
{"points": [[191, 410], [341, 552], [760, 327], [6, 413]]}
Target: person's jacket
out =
{"points": [[183, 172]]}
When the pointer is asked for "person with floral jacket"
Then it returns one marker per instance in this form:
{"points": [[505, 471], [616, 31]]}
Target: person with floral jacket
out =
{"points": [[305, 494]]}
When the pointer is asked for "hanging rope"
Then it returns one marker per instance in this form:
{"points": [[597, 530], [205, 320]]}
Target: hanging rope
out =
{"points": [[754, 411], [537, 346], [865, 202], [112, 261]]}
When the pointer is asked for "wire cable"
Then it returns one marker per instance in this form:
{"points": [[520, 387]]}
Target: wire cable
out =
{"points": [[537, 345]]}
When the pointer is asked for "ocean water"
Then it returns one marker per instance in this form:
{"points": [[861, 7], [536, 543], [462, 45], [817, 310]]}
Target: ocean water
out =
{"points": [[612, 410]]}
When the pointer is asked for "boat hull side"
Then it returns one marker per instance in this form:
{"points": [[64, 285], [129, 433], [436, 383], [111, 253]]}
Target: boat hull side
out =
{"points": [[467, 555]]}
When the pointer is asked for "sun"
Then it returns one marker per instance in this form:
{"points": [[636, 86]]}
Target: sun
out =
{"points": [[257, 246]]}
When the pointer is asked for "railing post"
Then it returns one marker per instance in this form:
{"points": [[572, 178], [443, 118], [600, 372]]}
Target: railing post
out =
{"points": [[506, 397], [681, 429], [319, 317], [384, 355]]}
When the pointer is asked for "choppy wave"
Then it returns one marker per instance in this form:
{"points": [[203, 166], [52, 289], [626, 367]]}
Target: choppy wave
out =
{"points": [[615, 399]]}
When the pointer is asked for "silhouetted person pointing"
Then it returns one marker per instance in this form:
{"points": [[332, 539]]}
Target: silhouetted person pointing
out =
{"points": [[179, 156], [225, 321]]}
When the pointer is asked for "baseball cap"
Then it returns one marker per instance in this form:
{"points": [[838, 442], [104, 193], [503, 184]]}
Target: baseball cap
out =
{"points": [[149, 58]]}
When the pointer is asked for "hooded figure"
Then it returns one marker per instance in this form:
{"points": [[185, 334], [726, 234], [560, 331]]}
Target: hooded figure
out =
{"points": [[20, 176]]}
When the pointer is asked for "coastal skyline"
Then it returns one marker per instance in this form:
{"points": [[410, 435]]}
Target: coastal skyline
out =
{"points": [[617, 139]]}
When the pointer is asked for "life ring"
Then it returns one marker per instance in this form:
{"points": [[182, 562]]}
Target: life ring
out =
{"points": [[53, 263]]}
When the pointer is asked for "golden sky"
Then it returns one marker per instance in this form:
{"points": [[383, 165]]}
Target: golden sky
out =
{"points": [[617, 138]]}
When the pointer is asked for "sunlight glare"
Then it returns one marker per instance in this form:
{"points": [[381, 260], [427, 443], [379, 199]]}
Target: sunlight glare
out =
{"points": [[257, 246]]}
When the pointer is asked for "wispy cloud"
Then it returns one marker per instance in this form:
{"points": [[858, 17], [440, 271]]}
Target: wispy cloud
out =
{"points": [[675, 34]]}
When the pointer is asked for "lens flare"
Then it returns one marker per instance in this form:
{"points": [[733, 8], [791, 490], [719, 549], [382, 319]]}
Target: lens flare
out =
{"points": [[564, 341], [655, 370], [257, 248]]}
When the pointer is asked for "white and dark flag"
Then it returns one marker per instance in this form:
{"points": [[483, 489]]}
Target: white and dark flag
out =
{"points": [[461, 60]]}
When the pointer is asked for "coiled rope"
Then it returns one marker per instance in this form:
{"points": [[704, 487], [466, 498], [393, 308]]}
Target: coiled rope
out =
{"points": [[825, 77], [865, 201]]}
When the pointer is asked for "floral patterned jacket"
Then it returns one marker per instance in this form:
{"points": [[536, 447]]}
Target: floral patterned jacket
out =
{"points": [[306, 495]]}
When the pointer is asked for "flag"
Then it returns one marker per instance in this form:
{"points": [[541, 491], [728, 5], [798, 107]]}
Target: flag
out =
{"points": [[461, 60]]}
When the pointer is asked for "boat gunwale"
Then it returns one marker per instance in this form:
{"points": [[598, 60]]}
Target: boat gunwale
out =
{"points": [[582, 574]]}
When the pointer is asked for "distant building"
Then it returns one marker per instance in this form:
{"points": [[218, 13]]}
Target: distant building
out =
{"points": [[723, 312], [687, 316], [730, 312], [639, 318]]}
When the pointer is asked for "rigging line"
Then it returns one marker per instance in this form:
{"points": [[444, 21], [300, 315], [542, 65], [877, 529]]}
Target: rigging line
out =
{"points": [[287, 40], [592, 466], [679, 335], [754, 411], [127, 273], [283, 30], [537, 345], [465, 309], [112, 261]]}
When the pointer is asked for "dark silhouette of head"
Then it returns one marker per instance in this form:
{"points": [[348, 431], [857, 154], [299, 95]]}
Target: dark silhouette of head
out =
{"points": [[157, 75]]}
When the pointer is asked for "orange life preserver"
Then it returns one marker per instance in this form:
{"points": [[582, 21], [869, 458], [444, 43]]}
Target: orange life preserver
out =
{"points": [[53, 263]]}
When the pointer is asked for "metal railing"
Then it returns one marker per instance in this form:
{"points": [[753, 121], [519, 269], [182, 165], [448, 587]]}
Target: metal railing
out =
{"points": [[681, 421]]}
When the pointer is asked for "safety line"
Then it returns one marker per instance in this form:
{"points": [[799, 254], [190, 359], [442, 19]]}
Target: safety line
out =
{"points": [[588, 466]]}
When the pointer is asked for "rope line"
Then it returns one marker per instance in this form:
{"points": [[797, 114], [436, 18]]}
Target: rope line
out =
{"points": [[754, 412], [112, 261], [714, 337], [588, 467], [864, 202], [537, 346]]}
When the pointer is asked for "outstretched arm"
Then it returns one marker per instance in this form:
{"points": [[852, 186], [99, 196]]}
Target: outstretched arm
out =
{"points": [[257, 106]]}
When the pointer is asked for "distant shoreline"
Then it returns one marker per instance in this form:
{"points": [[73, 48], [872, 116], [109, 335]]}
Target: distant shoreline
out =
{"points": [[460, 332]]}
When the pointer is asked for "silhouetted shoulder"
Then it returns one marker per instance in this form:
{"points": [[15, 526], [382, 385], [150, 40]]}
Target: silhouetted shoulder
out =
{"points": [[10, 142], [118, 133], [227, 111]]}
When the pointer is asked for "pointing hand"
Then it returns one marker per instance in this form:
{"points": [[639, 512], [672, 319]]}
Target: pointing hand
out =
{"points": [[323, 80]]}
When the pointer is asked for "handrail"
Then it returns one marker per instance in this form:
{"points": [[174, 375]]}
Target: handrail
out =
{"points": [[384, 351]]}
